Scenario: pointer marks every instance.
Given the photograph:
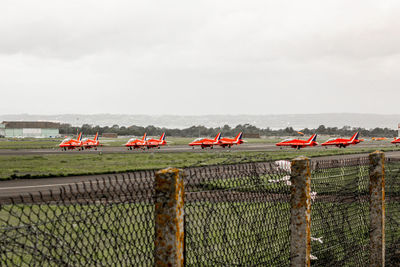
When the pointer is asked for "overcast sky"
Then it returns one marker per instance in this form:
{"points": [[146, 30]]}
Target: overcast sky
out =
{"points": [[199, 57]]}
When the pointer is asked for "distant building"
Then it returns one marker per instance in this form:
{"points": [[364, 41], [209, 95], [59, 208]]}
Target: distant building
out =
{"points": [[40, 129], [2, 130]]}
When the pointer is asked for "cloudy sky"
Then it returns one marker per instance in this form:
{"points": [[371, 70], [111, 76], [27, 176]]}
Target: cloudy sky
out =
{"points": [[199, 57]]}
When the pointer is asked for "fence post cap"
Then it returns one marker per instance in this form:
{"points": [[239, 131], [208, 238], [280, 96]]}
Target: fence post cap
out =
{"points": [[376, 155], [168, 170]]}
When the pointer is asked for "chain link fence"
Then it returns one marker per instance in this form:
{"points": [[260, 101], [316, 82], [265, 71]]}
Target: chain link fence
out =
{"points": [[106, 222], [392, 216], [237, 215], [234, 215], [340, 213]]}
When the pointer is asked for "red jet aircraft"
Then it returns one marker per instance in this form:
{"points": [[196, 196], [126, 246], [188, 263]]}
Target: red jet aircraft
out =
{"points": [[69, 143], [396, 141], [205, 142], [136, 143], [342, 142], [228, 142], [156, 142], [88, 143], [296, 143]]}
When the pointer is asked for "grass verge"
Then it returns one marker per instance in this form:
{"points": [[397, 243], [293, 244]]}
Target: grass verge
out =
{"points": [[56, 165]]}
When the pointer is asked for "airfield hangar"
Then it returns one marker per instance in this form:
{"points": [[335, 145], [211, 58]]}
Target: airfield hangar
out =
{"points": [[38, 129]]}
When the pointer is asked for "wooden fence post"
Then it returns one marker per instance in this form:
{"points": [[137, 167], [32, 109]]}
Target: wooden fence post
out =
{"points": [[169, 232], [300, 220], [377, 208]]}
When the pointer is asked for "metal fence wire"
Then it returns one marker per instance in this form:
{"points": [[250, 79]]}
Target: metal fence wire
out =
{"points": [[234, 215], [108, 222], [392, 211], [340, 213], [237, 215]]}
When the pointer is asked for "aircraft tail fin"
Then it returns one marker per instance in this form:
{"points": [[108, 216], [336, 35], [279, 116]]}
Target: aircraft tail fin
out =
{"points": [[144, 136], [239, 136], [313, 138], [80, 136], [162, 138], [218, 136], [355, 136], [96, 137]]}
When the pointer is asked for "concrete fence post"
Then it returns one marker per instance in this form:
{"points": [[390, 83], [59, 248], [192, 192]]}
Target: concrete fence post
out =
{"points": [[300, 220], [377, 208], [169, 227]]}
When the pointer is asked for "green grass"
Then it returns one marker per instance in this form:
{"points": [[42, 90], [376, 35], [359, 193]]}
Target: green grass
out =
{"points": [[76, 235], [237, 233], [106, 234], [217, 234], [48, 165], [29, 143]]}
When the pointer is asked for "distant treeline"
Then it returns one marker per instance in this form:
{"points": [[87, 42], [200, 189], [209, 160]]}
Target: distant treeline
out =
{"points": [[197, 131]]}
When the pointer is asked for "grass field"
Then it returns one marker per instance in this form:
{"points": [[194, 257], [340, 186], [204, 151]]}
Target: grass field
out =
{"points": [[76, 235], [123, 233], [30, 166], [217, 234], [28, 143]]}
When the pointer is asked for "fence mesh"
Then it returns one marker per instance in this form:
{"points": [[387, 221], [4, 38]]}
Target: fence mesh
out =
{"points": [[392, 216], [235, 215], [102, 223], [340, 213]]}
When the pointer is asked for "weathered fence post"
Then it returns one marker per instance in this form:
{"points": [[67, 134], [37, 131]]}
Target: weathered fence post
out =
{"points": [[300, 221], [377, 208], [169, 232]]}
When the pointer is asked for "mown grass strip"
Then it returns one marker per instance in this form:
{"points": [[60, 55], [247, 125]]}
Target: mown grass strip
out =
{"points": [[56, 165]]}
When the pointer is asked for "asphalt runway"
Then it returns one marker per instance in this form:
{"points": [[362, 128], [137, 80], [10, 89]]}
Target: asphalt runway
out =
{"points": [[177, 149], [39, 188]]}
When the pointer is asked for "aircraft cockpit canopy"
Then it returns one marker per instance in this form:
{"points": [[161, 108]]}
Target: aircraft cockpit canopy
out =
{"points": [[66, 140]]}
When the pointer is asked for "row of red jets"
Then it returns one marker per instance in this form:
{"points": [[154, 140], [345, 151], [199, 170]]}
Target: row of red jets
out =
{"points": [[143, 143], [202, 142], [312, 141], [218, 141], [80, 144]]}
